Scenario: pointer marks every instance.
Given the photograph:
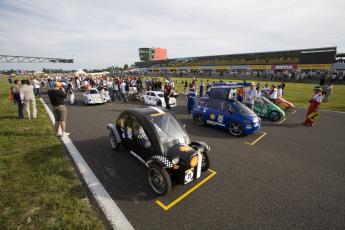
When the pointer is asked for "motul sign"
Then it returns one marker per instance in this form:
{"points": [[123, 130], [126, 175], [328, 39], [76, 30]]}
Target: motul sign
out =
{"points": [[284, 67]]}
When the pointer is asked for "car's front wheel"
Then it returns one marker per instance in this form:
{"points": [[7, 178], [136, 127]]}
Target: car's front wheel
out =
{"points": [[235, 129], [274, 116], [113, 143], [198, 120], [159, 179]]}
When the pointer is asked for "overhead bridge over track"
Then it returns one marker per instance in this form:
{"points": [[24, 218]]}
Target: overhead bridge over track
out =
{"points": [[26, 59]]}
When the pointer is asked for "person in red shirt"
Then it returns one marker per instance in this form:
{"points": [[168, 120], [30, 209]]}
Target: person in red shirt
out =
{"points": [[313, 106], [167, 93]]}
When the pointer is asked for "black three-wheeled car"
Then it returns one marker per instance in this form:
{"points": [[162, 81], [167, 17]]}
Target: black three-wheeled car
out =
{"points": [[157, 139]]}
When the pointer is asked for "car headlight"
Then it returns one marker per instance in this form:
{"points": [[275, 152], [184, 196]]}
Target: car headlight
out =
{"points": [[194, 161], [175, 161], [248, 122]]}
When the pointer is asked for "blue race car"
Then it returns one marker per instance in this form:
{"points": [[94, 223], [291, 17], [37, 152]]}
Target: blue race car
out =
{"points": [[221, 110]]}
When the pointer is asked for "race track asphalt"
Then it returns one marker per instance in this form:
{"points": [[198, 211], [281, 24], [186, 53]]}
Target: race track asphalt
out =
{"points": [[292, 178]]}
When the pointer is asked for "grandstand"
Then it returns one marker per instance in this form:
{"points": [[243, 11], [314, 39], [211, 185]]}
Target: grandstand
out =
{"points": [[303, 59]]}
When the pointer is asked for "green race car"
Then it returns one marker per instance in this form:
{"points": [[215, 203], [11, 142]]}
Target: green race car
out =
{"points": [[267, 109]]}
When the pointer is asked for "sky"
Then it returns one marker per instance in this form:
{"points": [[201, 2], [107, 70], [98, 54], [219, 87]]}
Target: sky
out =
{"points": [[99, 33]]}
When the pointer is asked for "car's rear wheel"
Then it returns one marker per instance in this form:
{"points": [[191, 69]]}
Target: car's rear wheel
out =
{"points": [[205, 164], [198, 120], [113, 143], [274, 116], [159, 103], [159, 179], [235, 129]]}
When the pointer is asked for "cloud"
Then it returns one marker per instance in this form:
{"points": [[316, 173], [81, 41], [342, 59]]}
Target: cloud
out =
{"points": [[103, 33]]}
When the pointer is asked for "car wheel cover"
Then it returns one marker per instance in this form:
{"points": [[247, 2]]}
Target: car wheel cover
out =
{"points": [[198, 120], [113, 142], [156, 181], [274, 116], [235, 129]]}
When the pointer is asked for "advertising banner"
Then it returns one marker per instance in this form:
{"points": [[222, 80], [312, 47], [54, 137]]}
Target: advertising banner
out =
{"points": [[284, 67], [183, 68], [195, 68], [222, 67], [208, 67], [315, 66], [338, 66], [260, 67], [240, 67]]}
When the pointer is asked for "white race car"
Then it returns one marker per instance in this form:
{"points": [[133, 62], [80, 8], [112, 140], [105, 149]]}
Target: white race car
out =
{"points": [[157, 98], [104, 93], [93, 96]]}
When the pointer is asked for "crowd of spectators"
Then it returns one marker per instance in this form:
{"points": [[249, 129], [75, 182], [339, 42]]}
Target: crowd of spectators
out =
{"points": [[22, 94], [122, 87], [336, 77]]}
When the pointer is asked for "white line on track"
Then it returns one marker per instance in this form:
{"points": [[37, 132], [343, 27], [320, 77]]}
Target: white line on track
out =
{"points": [[325, 110], [112, 212]]}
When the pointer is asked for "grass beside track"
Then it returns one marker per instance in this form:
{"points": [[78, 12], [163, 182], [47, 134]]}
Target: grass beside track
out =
{"points": [[39, 188], [298, 93]]}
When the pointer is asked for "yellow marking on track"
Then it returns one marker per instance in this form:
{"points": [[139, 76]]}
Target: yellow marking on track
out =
{"points": [[255, 141], [282, 121], [184, 195]]}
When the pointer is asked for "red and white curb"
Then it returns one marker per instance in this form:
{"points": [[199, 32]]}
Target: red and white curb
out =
{"points": [[112, 212]]}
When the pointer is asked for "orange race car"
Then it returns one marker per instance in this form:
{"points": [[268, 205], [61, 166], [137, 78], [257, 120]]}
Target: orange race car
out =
{"points": [[284, 104]]}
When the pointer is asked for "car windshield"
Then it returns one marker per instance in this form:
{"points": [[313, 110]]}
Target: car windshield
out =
{"points": [[160, 95], [92, 91], [219, 93], [169, 131], [242, 109], [266, 100]]}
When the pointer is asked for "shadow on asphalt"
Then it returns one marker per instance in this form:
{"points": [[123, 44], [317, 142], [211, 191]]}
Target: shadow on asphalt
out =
{"points": [[294, 125], [204, 131], [122, 175]]}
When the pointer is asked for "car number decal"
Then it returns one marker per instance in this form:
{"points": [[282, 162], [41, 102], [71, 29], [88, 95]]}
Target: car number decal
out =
{"points": [[212, 116], [188, 175], [220, 118]]}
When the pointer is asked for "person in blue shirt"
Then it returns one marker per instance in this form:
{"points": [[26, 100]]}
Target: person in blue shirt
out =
{"points": [[191, 99], [50, 83]]}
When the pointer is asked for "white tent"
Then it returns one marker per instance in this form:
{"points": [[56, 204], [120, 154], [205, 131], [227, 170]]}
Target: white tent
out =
{"points": [[80, 72]]}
